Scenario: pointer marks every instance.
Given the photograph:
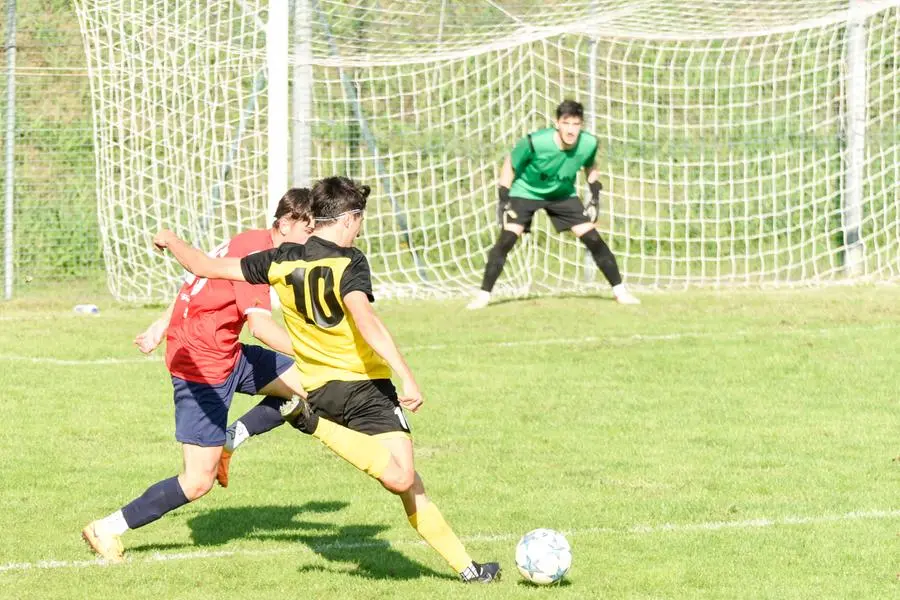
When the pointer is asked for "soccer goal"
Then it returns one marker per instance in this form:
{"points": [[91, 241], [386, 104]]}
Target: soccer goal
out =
{"points": [[742, 143]]}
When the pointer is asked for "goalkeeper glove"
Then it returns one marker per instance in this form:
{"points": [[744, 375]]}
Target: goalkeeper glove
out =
{"points": [[502, 204], [592, 208]]}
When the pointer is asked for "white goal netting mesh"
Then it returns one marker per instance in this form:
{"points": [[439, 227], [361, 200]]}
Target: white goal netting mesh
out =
{"points": [[726, 131]]}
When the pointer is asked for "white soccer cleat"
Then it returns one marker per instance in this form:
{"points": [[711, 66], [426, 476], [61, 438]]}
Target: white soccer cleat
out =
{"points": [[623, 296], [479, 301]]}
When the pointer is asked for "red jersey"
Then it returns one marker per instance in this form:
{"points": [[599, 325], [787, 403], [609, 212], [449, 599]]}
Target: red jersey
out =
{"points": [[202, 341]]}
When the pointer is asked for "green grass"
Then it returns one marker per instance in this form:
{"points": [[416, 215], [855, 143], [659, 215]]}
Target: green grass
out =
{"points": [[702, 445]]}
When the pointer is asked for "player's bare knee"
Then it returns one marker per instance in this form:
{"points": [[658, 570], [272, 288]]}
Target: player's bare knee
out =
{"points": [[399, 480], [196, 485], [514, 228], [406, 480], [581, 229], [396, 486]]}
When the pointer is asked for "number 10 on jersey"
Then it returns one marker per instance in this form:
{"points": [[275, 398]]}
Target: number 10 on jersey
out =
{"points": [[323, 305]]}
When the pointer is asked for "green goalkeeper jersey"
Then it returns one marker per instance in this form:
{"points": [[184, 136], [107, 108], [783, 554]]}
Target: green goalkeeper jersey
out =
{"points": [[543, 171]]}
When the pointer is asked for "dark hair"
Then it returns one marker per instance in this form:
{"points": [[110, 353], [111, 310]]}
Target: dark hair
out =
{"points": [[333, 196], [570, 108], [295, 204]]}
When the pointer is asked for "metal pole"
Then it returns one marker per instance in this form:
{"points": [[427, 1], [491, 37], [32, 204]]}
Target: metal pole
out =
{"points": [[590, 269], [301, 101], [857, 99], [277, 64], [351, 97], [10, 144]]}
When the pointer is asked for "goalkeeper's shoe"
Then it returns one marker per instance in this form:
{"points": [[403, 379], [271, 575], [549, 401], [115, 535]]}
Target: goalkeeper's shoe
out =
{"points": [[298, 414], [222, 468], [106, 544], [481, 573], [481, 300], [623, 296]]}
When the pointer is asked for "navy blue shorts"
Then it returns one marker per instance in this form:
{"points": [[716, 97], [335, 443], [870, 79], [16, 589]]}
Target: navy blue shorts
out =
{"points": [[201, 409]]}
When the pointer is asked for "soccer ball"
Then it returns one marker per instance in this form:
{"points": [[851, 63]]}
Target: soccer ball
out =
{"points": [[543, 556]]}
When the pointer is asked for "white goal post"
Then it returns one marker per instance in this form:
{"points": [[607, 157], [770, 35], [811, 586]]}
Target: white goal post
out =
{"points": [[743, 144]]}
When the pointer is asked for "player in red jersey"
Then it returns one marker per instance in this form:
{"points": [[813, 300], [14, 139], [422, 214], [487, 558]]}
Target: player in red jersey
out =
{"points": [[208, 365]]}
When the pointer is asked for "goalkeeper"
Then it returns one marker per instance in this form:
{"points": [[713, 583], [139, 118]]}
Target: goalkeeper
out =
{"points": [[540, 173]]}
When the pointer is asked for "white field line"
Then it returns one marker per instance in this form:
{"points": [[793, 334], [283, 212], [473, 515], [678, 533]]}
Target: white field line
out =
{"points": [[663, 337], [26, 317], [47, 316], [711, 526], [43, 360], [571, 341]]}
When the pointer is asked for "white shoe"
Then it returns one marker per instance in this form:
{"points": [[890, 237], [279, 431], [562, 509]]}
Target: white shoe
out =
{"points": [[623, 296], [481, 300]]}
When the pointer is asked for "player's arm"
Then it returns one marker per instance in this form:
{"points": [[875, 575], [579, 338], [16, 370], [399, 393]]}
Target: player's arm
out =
{"points": [[379, 338], [153, 336], [513, 164], [507, 175], [196, 261], [264, 328], [592, 208]]}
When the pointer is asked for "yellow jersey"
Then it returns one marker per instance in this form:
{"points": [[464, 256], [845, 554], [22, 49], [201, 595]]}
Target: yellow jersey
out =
{"points": [[311, 281]]}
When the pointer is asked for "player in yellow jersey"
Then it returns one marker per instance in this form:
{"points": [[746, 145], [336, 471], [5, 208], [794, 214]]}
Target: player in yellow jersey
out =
{"points": [[344, 352]]}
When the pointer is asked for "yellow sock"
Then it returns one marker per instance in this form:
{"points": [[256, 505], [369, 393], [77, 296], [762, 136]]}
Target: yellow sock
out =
{"points": [[430, 524], [360, 450]]}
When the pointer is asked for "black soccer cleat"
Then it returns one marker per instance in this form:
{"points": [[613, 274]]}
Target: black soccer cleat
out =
{"points": [[484, 573], [297, 413]]}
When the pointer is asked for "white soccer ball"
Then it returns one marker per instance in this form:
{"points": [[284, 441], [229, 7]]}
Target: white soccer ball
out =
{"points": [[543, 556]]}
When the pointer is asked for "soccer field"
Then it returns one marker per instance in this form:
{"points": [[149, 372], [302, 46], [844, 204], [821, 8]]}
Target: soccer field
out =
{"points": [[701, 445]]}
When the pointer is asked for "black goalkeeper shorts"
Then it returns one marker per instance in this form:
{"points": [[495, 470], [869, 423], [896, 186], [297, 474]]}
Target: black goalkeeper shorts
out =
{"points": [[564, 214]]}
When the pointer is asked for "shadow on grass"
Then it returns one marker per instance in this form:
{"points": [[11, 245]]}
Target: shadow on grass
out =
{"points": [[356, 546], [527, 584], [367, 556], [604, 298], [222, 525]]}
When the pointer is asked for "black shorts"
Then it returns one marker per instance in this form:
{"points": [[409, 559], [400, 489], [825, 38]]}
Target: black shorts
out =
{"points": [[564, 214], [369, 406]]}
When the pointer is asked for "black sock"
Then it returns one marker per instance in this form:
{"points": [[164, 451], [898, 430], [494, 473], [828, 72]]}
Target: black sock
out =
{"points": [[497, 258], [160, 498], [264, 416], [603, 256]]}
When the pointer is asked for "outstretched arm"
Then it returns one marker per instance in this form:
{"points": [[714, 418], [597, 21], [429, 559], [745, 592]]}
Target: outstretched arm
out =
{"points": [[195, 261], [152, 337], [376, 334]]}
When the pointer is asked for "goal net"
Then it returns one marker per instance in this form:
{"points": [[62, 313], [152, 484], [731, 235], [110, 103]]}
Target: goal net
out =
{"points": [[741, 143]]}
